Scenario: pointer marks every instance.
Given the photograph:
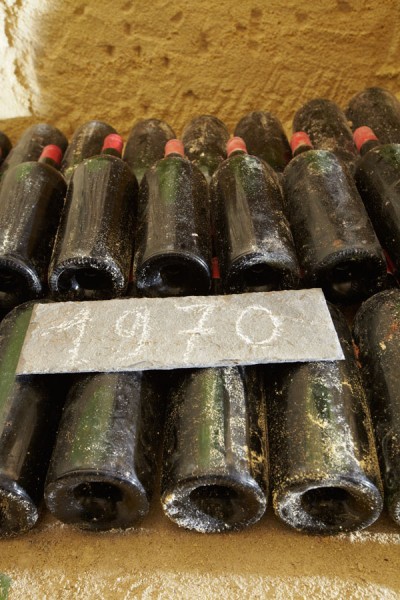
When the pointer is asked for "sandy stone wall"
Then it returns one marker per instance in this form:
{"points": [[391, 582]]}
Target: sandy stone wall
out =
{"points": [[66, 62]]}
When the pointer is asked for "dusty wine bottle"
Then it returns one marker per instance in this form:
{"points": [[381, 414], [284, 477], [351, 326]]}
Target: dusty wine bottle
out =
{"points": [[378, 180], [324, 469], [94, 245], [31, 200], [102, 470], [86, 142], [30, 145], [327, 128], [215, 469], [5, 146], [378, 109], [253, 241], [377, 335], [335, 242], [145, 145], [204, 140], [265, 138], [173, 245], [30, 407]]}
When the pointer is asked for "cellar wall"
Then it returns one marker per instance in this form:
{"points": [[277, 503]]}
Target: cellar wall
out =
{"points": [[67, 62]]}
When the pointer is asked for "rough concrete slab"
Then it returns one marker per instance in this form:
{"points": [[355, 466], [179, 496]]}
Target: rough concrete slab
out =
{"points": [[169, 333]]}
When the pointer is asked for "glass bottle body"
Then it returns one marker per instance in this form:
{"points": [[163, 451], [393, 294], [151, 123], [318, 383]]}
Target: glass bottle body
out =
{"points": [[337, 247]]}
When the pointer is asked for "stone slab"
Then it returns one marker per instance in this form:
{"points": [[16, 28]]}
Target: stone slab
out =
{"points": [[168, 333]]}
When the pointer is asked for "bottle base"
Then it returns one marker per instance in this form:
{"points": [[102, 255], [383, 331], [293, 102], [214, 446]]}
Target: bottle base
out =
{"points": [[96, 501], [173, 275], [328, 506], [18, 513], [214, 505]]}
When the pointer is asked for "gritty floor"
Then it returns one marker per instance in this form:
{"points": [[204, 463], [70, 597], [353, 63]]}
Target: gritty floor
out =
{"points": [[159, 560]]}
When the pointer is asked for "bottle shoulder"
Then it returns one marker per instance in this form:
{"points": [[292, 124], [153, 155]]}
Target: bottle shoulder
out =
{"points": [[313, 158], [99, 162], [177, 165], [30, 169], [382, 159]]}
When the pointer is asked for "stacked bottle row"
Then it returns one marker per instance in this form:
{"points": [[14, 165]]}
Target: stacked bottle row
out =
{"points": [[215, 443], [277, 223], [324, 474]]}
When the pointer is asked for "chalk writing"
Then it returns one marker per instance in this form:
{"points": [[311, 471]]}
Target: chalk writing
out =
{"points": [[248, 325]]}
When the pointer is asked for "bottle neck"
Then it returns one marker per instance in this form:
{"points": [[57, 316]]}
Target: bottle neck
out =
{"points": [[45, 160], [368, 145], [301, 149], [111, 152], [174, 155], [237, 152]]}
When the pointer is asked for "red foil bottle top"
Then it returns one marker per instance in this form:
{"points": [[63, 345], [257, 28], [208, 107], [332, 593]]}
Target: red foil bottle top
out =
{"points": [[174, 147], [363, 134], [234, 144], [52, 151], [300, 138], [114, 141]]}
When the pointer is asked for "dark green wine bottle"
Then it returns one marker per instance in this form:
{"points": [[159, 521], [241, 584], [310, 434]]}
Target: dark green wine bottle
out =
{"points": [[173, 244], [103, 466], [31, 200], [94, 246], [205, 139], [378, 109], [265, 138], [30, 145], [328, 129], [378, 180], [86, 142], [377, 335], [30, 408], [215, 470], [145, 145], [324, 469], [253, 240], [337, 247]]}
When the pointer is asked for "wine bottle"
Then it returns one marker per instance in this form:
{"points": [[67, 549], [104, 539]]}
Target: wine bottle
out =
{"points": [[102, 469], [377, 335], [5, 146], [94, 245], [204, 139], [86, 142], [214, 475], [378, 109], [336, 244], [215, 467], [31, 200], [30, 145], [265, 138], [378, 180], [145, 145], [30, 407], [173, 246], [324, 469], [253, 241], [327, 128]]}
